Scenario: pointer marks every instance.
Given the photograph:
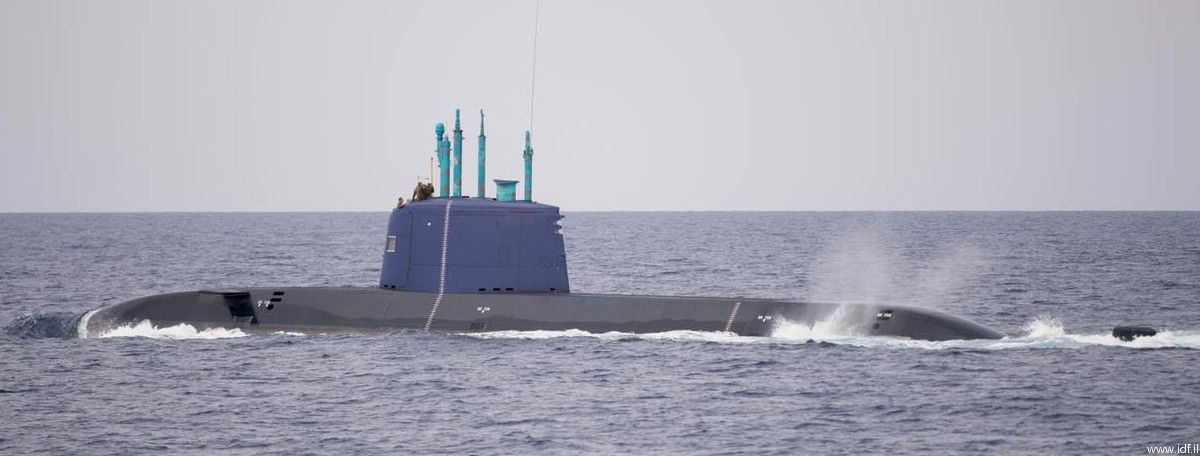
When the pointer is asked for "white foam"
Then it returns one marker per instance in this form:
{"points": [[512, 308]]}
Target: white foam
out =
{"points": [[679, 336], [81, 327], [1042, 333], [533, 335], [833, 328], [700, 336], [181, 331], [1044, 327], [836, 327]]}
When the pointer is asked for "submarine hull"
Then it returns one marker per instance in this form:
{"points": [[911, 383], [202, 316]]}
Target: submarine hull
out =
{"points": [[378, 310]]}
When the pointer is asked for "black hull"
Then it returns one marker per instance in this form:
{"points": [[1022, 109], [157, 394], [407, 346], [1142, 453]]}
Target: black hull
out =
{"points": [[375, 310]]}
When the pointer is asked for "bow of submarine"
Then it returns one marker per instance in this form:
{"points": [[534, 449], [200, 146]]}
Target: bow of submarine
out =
{"points": [[928, 324]]}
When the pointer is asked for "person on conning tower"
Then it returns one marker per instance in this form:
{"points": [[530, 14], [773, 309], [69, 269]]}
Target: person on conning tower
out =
{"points": [[422, 192]]}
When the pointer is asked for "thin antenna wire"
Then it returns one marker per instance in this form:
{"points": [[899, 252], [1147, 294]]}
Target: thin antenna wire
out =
{"points": [[533, 84]]}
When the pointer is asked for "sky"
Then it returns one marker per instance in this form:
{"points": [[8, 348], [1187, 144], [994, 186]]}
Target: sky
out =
{"points": [[287, 105]]}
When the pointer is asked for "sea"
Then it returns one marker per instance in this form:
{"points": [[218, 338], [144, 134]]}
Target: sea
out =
{"points": [[1055, 282]]}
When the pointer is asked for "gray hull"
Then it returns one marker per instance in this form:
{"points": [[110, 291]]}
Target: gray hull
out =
{"points": [[375, 310]]}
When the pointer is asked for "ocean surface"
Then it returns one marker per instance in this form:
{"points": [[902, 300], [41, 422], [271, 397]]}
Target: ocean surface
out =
{"points": [[1055, 282]]}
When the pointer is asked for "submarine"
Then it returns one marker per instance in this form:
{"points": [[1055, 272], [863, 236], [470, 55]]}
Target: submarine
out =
{"points": [[461, 264]]}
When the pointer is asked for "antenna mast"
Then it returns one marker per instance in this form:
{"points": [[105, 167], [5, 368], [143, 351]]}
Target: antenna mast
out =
{"points": [[533, 83]]}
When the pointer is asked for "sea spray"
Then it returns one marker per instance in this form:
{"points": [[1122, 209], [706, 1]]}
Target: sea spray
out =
{"points": [[863, 266], [855, 266], [838, 325], [945, 274], [1044, 326]]}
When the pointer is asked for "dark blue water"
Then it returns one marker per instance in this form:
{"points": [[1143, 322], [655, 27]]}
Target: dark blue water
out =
{"points": [[1057, 282]]}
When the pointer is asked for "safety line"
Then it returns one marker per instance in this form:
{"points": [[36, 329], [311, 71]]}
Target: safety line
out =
{"points": [[442, 279], [729, 323]]}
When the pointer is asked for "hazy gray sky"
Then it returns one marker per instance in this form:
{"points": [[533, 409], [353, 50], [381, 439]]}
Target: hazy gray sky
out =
{"points": [[665, 105]]}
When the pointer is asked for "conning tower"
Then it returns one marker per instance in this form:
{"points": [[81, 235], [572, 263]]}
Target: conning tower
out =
{"points": [[459, 244]]}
